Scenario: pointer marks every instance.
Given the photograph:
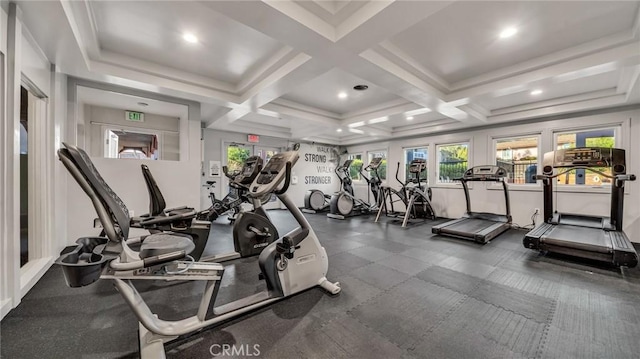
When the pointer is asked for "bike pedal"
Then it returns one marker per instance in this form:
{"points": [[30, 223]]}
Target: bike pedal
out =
{"points": [[260, 276]]}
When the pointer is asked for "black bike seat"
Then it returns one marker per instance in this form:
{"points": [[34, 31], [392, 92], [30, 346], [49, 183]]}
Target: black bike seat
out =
{"points": [[211, 182]]}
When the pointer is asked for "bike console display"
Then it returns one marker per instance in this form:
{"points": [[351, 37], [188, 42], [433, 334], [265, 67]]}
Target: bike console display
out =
{"points": [[484, 173], [273, 173], [250, 169]]}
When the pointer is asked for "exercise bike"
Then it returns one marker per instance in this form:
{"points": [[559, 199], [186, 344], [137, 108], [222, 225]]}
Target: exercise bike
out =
{"points": [[416, 199], [292, 264], [252, 231], [344, 204], [237, 191]]}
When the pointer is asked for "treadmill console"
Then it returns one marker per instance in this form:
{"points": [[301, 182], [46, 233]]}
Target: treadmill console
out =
{"points": [[417, 165], [485, 173], [585, 157], [273, 173]]}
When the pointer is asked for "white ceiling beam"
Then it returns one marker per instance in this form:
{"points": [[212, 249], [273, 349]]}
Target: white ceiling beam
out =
{"points": [[284, 54], [80, 32], [401, 58], [304, 17], [628, 80], [475, 111], [602, 102], [555, 102], [385, 112], [396, 18], [612, 59], [615, 40], [304, 115]]}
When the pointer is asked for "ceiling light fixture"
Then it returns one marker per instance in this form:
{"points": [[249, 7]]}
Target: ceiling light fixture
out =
{"points": [[409, 118], [419, 111], [353, 130], [342, 95], [190, 38], [339, 130], [536, 92], [508, 32], [143, 104], [378, 120], [360, 87], [356, 124]]}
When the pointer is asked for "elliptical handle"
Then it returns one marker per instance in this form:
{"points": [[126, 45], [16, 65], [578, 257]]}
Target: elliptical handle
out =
{"points": [[403, 184], [287, 180]]}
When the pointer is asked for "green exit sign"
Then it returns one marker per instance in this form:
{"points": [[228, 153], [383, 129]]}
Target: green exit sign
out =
{"points": [[134, 116]]}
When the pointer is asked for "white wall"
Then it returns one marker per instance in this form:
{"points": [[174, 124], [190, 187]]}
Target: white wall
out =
{"points": [[96, 117], [448, 200], [179, 181]]}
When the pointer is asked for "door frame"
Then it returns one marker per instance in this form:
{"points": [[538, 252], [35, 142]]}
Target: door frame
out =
{"points": [[40, 188]]}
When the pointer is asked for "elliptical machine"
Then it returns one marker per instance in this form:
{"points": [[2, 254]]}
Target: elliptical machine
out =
{"points": [[373, 181], [316, 201], [295, 263], [416, 198], [344, 204]]}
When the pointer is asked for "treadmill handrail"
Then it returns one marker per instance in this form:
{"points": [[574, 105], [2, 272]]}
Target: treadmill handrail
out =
{"points": [[624, 177]]}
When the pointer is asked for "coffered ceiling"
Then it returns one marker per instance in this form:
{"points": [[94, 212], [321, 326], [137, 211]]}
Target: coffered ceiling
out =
{"points": [[287, 68]]}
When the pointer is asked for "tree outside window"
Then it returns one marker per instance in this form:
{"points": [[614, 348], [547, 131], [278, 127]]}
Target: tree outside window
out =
{"points": [[356, 165], [452, 161], [382, 170]]}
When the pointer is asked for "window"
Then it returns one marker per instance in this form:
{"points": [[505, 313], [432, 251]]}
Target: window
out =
{"points": [[356, 165], [382, 170], [452, 161], [120, 143], [604, 137], [414, 153], [519, 156], [236, 155]]}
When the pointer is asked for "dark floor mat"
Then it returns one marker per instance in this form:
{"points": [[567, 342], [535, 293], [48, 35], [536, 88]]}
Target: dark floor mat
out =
{"points": [[403, 314]]}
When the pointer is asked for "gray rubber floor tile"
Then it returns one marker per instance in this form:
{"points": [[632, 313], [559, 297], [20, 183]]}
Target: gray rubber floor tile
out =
{"points": [[450, 279], [477, 329], [380, 276], [525, 282], [404, 264], [405, 313], [370, 253]]}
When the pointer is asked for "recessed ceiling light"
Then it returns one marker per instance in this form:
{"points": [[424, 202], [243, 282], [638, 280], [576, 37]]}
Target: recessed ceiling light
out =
{"points": [[342, 95], [536, 92], [339, 130], [190, 38], [360, 87], [409, 118], [508, 32], [143, 104]]}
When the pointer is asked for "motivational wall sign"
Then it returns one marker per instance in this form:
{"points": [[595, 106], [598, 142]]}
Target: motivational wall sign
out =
{"points": [[322, 168]]}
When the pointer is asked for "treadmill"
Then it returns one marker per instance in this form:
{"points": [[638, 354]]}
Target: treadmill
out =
{"points": [[481, 227], [587, 237]]}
